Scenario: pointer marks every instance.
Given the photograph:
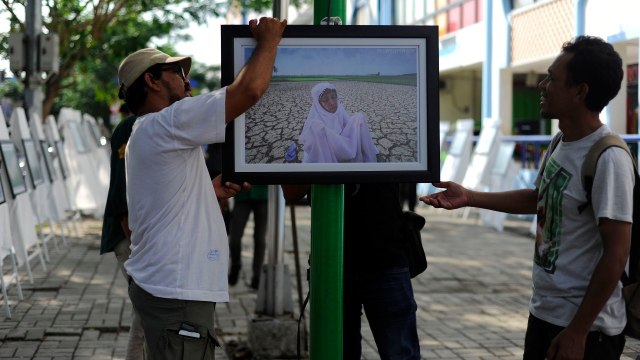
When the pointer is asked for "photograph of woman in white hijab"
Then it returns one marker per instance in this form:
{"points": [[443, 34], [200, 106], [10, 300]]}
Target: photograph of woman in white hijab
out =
{"points": [[331, 135], [338, 106], [379, 86]]}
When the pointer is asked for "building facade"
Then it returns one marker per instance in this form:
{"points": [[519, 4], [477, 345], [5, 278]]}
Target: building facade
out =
{"points": [[493, 53]]}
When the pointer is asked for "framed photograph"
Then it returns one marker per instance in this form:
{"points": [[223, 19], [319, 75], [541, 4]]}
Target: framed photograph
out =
{"points": [[33, 164], [98, 139], [78, 137], [346, 104], [59, 155], [48, 160], [2, 197], [12, 167]]}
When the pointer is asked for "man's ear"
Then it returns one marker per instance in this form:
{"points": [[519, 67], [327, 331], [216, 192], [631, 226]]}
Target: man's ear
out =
{"points": [[582, 91], [151, 82]]}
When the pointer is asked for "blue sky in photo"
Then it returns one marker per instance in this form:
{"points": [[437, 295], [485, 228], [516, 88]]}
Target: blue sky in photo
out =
{"points": [[344, 60]]}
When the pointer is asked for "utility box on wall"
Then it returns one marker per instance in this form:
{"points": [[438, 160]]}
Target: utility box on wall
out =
{"points": [[17, 53], [49, 51]]}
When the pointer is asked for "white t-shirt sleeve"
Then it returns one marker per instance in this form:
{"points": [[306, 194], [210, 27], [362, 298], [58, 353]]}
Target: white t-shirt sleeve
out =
{"points": [[612, 195], [200, 119]]}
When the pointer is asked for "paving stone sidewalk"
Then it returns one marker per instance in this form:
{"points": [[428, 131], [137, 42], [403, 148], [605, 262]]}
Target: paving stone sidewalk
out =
{"points": [[472, 299]]}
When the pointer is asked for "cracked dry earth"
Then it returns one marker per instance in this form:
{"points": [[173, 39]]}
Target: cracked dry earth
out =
{"points": [[277, 120]]}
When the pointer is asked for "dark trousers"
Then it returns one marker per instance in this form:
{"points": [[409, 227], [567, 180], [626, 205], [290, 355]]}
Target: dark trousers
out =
{"points": [[163, 319], [240, 215], [598, 347], [387, 300]]}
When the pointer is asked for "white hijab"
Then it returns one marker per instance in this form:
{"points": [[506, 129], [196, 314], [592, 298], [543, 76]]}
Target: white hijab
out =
{"points": [[335, 137], [335, 121]]}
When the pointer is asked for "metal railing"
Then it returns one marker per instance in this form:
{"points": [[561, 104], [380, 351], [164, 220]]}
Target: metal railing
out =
{"points": [[530, 148]]}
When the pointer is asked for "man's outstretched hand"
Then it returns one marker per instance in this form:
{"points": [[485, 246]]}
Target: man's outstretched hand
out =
{"points": [[453, 197]]}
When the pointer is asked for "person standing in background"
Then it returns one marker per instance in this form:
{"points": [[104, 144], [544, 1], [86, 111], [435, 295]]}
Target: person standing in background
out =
{"points": [[256, 201], [376, 270], [116, 235]]}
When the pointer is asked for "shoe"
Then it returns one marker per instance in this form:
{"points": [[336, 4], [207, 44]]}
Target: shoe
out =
{"points": [[255, 283], [242, 353]]}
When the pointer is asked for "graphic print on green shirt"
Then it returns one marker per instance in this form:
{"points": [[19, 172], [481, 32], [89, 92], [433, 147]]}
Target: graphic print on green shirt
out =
{"points": [[549, 215]]}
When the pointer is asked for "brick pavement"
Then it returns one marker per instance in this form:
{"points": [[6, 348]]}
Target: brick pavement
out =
{"points": [[472, 299]]}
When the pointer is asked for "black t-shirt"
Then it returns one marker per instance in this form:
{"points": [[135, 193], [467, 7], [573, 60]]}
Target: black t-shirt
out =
{"points": [[213, 159], [374, 228]]}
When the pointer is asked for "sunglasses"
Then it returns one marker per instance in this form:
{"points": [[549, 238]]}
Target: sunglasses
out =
{"points": [[176, 69]]}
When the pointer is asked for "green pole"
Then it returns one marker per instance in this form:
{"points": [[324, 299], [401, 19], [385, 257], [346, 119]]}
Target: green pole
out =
{"points": [[327, 224], [325, 322], [321, 8]]}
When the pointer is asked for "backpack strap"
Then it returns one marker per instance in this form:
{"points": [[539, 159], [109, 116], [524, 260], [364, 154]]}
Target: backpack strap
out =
{"points": [[588, 171], [552, 146]]}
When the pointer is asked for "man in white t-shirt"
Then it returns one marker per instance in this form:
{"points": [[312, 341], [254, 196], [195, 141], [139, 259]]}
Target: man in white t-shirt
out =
{"points": [[576, 309], [179, 247]]}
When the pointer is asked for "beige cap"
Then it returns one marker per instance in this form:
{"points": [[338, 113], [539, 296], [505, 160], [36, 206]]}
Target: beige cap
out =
{"points": [[138, 62]]}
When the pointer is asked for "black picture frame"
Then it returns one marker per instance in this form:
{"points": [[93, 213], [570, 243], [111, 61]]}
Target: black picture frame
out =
{"points": [[11, 164], [3, 198], [60, 156], [388, 73], [48, 161], [33, 164]]}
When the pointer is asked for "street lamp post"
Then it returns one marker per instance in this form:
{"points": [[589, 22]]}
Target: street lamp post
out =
{"points": [[32, 54]]}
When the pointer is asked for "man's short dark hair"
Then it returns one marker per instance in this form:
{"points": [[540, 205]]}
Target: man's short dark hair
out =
{"points": [[597, 64], [136, 94]]}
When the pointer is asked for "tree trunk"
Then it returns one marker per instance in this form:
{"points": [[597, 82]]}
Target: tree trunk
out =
{"points": [[52, 89]]}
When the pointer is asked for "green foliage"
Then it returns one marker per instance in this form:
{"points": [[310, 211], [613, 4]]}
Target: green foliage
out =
{"points": [[204, 78], [96, 35], [265, 5], [259, 5], [12, 90]]}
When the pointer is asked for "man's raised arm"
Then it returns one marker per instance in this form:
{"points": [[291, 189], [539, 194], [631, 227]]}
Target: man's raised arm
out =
{"points": [[253, 80]]}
